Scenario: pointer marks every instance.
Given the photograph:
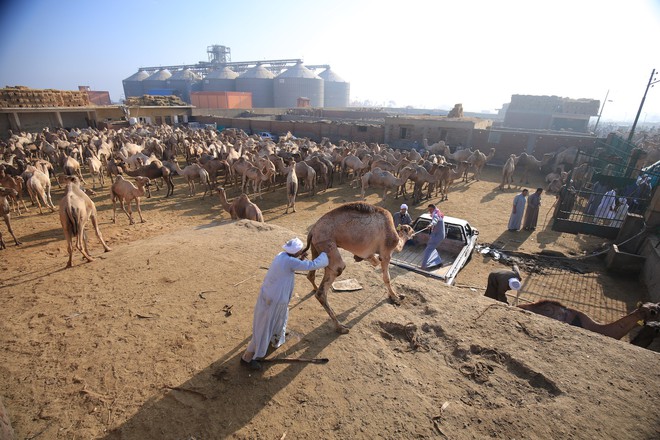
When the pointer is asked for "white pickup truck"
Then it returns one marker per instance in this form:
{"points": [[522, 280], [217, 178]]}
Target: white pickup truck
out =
{"points": [[455, 250]]}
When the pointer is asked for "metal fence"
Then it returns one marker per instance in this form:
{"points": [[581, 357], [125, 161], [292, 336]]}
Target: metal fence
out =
{"points": [[602, 188]]}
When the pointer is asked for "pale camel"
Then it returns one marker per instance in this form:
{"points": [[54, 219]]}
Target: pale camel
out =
{"points": [[291, 187], [4, 212], [436, 148], [458, 155], [126, 192], [617, 329], [241, 207], [257, 177], [377, 178], [352, 163], [239, 167], [38, 186], [507, 171], [76, 208], [71, 167], [528, 162], [95, 168], [362, 229], [195, 172], [478, 160]]}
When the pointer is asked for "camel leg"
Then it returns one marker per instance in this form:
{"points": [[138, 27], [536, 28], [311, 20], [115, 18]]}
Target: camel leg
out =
{"points": [[84, 249], [123, 208], [137, 204], [385, 266], [332, 271], [69, 246], [373, 260], [98, 233], [114, 209], [6, 216], [2, 243], [311, 275], [130, 213]]}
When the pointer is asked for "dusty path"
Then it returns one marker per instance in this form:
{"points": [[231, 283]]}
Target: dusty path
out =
{"points": [[137, 345]]}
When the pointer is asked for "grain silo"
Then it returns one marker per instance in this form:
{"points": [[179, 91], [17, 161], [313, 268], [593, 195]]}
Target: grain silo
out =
{"points": [[336, 91], [220, 80], [258, 81], [156, 84], [133, 84], [183, 82], [297, 82]]}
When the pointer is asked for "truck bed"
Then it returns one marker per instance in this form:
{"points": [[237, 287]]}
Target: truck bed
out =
{"points": [[410, 257]]}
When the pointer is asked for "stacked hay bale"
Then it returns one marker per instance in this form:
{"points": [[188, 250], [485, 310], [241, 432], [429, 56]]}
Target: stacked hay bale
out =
{"points": [[155, 100], [456, 112], [21, 96]]}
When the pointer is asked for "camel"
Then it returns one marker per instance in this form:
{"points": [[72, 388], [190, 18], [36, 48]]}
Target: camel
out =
{"points": [[436, 148], [458, 155], [528, 162], [15, 183], [507, 171], [257, 177], [291, 187], [362, 229], [377, 178], [76, 208], [308, 174], [478, 160], [95, 168], [153, 172], [241, 207], [126, 192], [38, 186], [617, 329], [213, 166], [71, 167], [4, 212], [195, 172], [352, 163], [448, 173]]}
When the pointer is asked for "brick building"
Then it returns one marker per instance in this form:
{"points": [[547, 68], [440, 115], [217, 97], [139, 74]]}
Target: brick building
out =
{"points": [[550, 113]]}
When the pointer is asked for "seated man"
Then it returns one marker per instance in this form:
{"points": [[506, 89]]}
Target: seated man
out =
{"points": [[402, 217]]}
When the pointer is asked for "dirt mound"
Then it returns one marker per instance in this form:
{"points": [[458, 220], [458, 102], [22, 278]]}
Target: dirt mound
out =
{"points": [[139, 345]]}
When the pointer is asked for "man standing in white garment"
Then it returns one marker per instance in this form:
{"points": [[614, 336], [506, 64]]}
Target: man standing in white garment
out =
{"points": [[271, 312]]}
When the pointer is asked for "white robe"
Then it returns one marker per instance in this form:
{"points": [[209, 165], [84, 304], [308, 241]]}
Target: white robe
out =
{"points": [[271, 312], [517, 211], [604, 210]]}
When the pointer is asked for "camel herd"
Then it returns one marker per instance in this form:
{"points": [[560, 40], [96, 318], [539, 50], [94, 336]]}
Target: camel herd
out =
{"points": [[139, 158]]}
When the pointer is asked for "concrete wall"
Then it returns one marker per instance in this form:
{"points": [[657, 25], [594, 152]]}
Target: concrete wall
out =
{"points": [[650, 275]]}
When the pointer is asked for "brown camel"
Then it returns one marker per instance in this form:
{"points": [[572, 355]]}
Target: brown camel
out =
{"points": [[617, 329], [528, 162], [153, 172], [4, 212], [241, 207], [362, 229]]}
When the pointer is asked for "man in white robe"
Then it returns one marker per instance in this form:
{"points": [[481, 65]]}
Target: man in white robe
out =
{"points": [[271, 312], [516, 218], [606, 208]]}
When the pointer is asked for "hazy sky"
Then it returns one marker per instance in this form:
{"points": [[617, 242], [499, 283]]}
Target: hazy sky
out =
{"points": [[427, 53]]}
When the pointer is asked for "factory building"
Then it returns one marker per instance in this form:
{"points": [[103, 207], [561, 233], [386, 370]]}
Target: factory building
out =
{"points": [[273, 83]]}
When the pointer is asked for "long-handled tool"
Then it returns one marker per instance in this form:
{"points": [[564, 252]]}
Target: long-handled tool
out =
{"points": [[546, 216], [296, 360]]}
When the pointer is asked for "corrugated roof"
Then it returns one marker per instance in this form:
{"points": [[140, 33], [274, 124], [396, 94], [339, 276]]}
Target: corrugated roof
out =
{"points": [[160, 75], [298, 71], [138, 76], [259, 72], [185, 74], [330, 76], [224, 73]]}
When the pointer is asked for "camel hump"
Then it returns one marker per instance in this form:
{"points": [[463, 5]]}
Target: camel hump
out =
{"points": [[361, 207]]}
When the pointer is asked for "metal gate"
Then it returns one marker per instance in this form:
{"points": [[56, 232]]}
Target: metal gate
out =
{"points": [[603, 186]]}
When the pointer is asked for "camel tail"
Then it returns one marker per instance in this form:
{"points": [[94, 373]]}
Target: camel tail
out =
{"points": [[309, 242], [73, 220]]}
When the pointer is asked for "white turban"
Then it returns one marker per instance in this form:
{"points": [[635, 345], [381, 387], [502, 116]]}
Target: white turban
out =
{"points": [[293, 246], [404, 206], [514, 284]]}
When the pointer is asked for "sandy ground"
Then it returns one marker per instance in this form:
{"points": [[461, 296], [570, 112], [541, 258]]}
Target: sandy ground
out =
{"points": [[145, 341]]}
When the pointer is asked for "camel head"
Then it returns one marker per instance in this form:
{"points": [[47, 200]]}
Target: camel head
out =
{"points": [[649, 311], [405, 233], [11, 192]]}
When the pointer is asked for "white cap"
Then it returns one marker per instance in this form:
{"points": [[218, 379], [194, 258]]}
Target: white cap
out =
{"points": [[404, 206], [293, 246], [514, 284]]}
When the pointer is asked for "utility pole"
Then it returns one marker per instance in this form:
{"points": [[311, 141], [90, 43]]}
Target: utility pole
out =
{"points": [[641, 104], [600, 113]]}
